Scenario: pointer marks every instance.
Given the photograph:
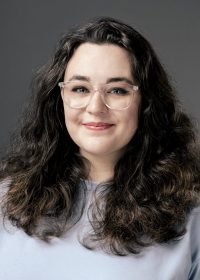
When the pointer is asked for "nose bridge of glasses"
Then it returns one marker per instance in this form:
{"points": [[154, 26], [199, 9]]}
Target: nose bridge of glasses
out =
{"points": [[96, 97], [100, 89]]}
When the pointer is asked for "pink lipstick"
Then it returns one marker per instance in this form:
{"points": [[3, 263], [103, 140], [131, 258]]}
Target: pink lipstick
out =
{"points": [[97, 125]]}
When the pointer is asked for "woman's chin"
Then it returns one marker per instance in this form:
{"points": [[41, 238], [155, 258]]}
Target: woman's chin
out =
{"points": [[101, 152]]}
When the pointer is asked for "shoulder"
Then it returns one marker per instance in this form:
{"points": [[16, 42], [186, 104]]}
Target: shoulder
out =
{"points": [[4, 185], [193, 231]]}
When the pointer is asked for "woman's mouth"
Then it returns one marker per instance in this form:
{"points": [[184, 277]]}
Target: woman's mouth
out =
{"points": [[97, 125]]}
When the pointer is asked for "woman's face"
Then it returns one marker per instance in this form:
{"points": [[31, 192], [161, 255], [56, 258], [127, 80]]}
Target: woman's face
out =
{"points": [[96, 129]]}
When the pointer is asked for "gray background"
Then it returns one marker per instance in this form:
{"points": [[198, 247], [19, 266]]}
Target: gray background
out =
{"points": [[30, 30]]}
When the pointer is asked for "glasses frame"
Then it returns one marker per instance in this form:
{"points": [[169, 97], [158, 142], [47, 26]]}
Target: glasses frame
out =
{"points": [[63, 84]]}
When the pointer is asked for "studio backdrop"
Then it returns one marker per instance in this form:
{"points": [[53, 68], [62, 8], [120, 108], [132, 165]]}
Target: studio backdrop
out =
{"points": [[31, 28]]}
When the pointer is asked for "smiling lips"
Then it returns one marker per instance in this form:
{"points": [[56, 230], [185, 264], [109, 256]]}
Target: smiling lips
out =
{"points": [[97, 125]]}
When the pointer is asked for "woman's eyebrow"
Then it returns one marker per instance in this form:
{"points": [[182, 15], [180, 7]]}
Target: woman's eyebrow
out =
{"points": [[119, 79], [80, 78], [109, 80]]}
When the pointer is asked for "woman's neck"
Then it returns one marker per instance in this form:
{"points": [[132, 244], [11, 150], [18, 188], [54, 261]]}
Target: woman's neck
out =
{"points": [[101, 167], [101, 173]]}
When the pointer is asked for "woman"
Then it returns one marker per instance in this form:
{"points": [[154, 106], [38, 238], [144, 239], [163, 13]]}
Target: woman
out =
{"points": [[105, 175]]}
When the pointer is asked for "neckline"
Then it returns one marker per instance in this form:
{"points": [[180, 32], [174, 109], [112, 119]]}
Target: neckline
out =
{"points": [[91, 185]]}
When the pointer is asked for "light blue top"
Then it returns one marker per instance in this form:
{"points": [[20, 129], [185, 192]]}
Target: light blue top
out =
{"points": [[26, 258]]}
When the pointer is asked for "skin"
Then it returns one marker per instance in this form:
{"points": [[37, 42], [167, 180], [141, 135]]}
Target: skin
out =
{"points": [[103, 146]]}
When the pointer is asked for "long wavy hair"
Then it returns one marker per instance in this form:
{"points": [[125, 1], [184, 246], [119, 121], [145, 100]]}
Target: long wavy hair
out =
{"points": [[156, 181]]}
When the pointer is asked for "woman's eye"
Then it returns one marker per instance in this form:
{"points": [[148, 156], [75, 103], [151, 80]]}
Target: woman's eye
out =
{"points": [[80, 89], [118, 91]]}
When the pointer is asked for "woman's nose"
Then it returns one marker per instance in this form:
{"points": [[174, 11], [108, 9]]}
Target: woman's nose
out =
{"points": [[96, 104]]}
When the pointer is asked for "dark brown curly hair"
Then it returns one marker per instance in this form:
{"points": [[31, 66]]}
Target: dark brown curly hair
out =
{"points": [[155, 183]]}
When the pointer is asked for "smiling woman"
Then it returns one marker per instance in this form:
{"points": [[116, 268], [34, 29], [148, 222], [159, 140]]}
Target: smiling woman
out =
{"points": [[105, 173], [98, 130]]}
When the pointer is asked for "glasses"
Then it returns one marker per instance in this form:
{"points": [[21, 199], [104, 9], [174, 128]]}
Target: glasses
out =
{"points": [[115, 95]]}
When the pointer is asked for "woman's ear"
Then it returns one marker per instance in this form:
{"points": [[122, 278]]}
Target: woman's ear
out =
{"points": [[61, 92]]}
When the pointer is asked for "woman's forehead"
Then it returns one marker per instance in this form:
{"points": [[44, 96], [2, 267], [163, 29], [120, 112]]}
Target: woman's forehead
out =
{"points": [[103, 61]]}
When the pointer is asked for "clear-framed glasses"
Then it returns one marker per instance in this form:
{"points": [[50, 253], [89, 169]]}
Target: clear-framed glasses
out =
{"points": [[115, 95]]}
